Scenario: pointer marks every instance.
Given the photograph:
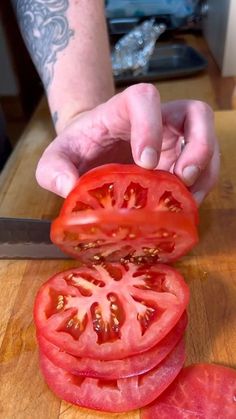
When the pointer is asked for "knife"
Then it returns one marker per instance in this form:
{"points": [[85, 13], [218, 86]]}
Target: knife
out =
{"points": [[22, 238]]}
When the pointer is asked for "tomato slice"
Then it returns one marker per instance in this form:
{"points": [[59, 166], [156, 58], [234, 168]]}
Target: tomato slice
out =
{"points": [[113, 395], [125, 236], [110, 311], [123, 213], [117, 186], [127, 367], [201, 391]]}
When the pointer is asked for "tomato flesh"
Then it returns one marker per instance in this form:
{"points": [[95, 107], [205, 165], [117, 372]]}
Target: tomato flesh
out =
{"points": [[200, 391], [120, 186], [111, 333], [110, 311], [113, 395], [123, 213], [137, 237], [127, 367]]}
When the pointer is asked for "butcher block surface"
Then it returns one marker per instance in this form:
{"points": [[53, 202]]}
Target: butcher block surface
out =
{"points": [[210, 271]]}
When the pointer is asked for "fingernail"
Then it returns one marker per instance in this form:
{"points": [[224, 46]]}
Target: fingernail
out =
{"points": [[63, 184], [149, 158], [199, 196], [190, 175]]}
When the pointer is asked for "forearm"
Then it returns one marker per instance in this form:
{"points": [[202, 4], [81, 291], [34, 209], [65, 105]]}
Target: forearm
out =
{"points": [[68, 43]]}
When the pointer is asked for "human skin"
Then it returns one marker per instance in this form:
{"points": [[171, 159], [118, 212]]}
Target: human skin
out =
{"points": [[69, 45]]}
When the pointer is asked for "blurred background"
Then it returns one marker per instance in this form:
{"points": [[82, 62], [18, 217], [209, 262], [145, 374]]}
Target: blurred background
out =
{"points": [[193, 58]]}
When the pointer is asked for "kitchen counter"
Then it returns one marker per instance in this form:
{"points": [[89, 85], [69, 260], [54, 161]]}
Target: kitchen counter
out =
{"points": [[210, 271]]}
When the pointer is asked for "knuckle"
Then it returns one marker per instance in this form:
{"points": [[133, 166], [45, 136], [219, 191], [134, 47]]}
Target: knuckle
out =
{"points": [[144, 89], [203, 108]]}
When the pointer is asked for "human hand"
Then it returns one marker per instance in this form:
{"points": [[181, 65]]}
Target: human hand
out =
{"points": [[134, 127]]}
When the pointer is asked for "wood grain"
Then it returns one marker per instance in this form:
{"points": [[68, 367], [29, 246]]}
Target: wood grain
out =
{"points": [[20, 194], [210, 271]]}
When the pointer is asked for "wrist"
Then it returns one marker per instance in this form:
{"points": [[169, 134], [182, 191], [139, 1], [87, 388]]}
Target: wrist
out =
{"points": [[64, 113], [63, 116]]}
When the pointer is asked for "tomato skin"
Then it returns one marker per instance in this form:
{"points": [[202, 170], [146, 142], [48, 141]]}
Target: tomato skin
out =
{"points": [[136, 236], [113, 395], [200, 391], [117, 213], [127, 367], [117, 314], [150, 298], [123, 174]]}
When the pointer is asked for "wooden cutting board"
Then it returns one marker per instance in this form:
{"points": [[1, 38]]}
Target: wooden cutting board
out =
{"points": [[210, 271]]}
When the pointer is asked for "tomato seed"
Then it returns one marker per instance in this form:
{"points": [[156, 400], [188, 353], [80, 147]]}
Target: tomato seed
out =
{"points": [[132, 236], [93, 230], [165, 234], [70, 323]]}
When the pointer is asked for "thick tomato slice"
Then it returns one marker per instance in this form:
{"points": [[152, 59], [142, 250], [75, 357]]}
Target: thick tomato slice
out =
{"points": [[110, 311], [125, 236], [123, 213], [117, 186], [113, 395], [201, 391], [120, 368]]}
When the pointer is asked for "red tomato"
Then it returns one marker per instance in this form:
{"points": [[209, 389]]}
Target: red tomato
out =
{"points": [[113, 395], [123, 213], [110, 311], [117, 186], [125, 236], [201, 391], [127, 367]]}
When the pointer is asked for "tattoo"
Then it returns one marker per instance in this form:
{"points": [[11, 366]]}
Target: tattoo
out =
{"points": [[46, 31], [55, 117]]}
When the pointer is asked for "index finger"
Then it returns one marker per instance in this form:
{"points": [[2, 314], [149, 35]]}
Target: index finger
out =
{"points": [[135, 115]]}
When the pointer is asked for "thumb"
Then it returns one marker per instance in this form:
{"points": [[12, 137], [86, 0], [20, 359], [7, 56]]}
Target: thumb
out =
{"points": [[56, 173]]}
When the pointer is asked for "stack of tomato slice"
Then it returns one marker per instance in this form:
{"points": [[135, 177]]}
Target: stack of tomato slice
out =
{"points": [[110, 331], [111, 336]]}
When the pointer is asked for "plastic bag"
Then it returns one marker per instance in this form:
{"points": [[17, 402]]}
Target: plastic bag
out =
{"points": [[133, 51]]}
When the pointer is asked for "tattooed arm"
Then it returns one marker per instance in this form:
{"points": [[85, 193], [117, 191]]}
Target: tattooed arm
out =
{"points": [[68, 43]]}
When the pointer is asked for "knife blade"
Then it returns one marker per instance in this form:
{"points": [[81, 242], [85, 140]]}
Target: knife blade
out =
{"points": [[22, 238]]}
